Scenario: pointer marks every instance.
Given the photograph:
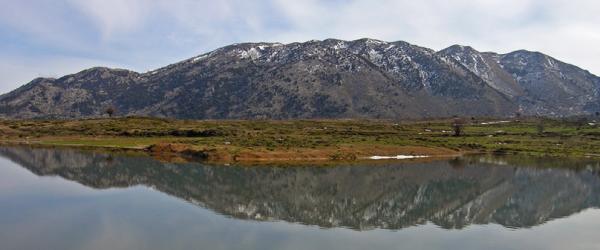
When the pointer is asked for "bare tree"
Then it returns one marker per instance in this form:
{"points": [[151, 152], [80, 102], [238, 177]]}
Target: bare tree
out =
{"points": [[540, 126], [458, 126], [580, 122], [110, 111]]}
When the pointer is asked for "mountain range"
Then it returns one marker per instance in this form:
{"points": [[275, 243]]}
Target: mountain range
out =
{"points": [[332, 78]]}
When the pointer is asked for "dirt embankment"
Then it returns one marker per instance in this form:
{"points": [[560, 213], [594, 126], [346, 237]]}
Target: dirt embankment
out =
{"points": [[181, 152]]}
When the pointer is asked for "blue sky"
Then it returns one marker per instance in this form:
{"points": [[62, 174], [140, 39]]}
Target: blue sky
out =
{"points": [[56, 37]]}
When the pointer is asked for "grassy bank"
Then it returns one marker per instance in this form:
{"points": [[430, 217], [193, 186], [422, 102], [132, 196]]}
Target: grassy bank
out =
{"points": [[310, 139]]}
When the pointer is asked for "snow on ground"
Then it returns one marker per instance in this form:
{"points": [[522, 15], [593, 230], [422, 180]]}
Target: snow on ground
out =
{"points": [[340, 45], [195, 59], [252, 53], [397, 157], [492, 123]]}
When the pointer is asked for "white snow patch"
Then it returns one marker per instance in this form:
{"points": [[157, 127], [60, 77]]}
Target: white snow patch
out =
{"points": [[496, 122], [551, 63], [376, 42], [475, 64], [375, 56], [195, 59], [340, 45], [252, 53], [153, 72], [397, 157]]}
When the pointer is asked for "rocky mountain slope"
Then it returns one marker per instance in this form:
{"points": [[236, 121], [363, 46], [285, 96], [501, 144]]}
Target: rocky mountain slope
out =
{"points": [[364, 78], [538, 83], [451, 194]]}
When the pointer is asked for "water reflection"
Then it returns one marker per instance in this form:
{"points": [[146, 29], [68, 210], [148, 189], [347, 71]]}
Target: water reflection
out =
{"points": [[512, 192]]}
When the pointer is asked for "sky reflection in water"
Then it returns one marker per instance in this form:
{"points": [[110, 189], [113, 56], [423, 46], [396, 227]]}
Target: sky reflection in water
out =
{"points": [[67, 199]]}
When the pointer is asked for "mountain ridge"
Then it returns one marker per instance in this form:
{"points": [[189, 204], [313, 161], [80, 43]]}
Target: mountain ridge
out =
{"points": [[364, 78]]}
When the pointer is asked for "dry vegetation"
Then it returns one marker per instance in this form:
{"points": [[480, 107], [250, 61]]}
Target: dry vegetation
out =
{"points": [[310, 139]]}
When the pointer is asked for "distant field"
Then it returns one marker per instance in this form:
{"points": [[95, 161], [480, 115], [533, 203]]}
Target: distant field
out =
{"points": [[312, 139]]}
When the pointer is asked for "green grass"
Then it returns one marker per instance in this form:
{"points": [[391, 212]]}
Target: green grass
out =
{"points": [[560, 138]]}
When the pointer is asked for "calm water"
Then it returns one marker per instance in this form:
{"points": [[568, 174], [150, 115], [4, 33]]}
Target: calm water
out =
{"points": [[69, 199]]}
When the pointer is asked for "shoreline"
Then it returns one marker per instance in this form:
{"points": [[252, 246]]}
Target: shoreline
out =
{"points": [[528, 160], [303, 140], [171, 152], [189, 157]]}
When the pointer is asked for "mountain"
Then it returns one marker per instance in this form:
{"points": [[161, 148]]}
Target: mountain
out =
{"points": [[538, 83], [452, 194], [364, 78]]}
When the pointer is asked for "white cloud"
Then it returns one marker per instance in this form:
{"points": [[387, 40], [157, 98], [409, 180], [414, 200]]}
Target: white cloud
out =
{"points": [[112, 16], [142, 34]]}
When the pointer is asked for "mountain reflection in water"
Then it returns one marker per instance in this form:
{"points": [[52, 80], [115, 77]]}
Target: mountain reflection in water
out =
{"points": [[513, 192]]}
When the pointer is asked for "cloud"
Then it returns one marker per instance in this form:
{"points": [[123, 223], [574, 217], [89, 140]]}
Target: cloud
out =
{"points": [[144, 34], [114, 16]]}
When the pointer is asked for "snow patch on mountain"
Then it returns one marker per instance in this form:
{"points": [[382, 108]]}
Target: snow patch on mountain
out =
{"points": [[252, 53], [199, 58]]}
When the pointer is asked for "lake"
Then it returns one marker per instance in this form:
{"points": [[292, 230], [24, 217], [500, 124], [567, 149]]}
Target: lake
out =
{"points": [[72, 199]]}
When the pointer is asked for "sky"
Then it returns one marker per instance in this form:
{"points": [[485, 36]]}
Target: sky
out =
{"points": [[52, 38]]}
